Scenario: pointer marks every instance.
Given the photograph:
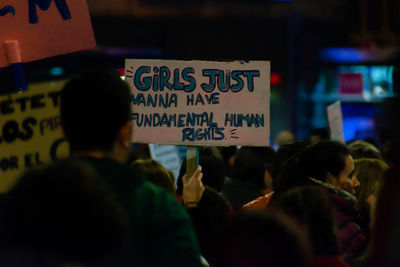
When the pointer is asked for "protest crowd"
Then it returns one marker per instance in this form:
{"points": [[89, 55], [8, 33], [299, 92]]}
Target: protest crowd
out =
{"points": [[315, 202]]}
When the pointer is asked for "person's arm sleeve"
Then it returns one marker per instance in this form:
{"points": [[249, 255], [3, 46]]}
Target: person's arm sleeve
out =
{"points": [[175, 235]]}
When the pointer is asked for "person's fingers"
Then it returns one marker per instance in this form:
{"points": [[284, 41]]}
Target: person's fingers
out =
{"points": [[197, 171], [200, 177], [184, 179]]}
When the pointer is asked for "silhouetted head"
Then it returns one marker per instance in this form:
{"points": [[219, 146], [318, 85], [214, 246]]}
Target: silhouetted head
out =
{"points": [[155, 173], [62, 213], [259, 238], [361, 149], [251, 163], [329, 162], [311, 207], [95, 106]]}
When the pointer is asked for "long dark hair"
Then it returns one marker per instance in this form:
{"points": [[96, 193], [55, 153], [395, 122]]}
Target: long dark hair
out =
{"points": [[311, 207]]}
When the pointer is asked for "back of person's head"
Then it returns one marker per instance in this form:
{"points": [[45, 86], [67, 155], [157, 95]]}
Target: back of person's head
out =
{"points": [[311, 207], [318, 135], [323, 157], [212, 163], [260, 238], [155, 173], [95, 105], [284, 137], [369, 172], [251, 163], [289, 176], [60, 213], [361, 149], [228, 154], [209, 219], [138, 151], [316, 161], [384, 245], [284, 153]]}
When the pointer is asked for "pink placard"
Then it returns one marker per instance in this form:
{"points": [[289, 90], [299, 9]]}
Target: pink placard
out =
{"points": [[44, 28], [199, 102], [351, 83]]}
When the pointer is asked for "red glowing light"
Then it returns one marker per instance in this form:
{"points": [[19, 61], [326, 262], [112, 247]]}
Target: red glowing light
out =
{"points": [[275, 78], [122, 71]]}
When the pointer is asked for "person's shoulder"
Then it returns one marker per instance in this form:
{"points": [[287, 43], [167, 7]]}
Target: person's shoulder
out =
{"points": [[119, 177], [157, 195]]}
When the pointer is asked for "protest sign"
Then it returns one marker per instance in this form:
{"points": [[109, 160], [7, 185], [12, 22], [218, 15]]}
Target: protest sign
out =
{"points": [[44, 28], [335, 121], [30, 133], [199, 103], [167, 156]]}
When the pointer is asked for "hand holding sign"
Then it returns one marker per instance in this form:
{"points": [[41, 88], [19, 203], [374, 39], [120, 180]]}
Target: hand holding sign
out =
{"points": [[193, 188]]}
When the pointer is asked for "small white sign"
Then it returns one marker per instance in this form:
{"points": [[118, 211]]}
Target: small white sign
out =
{"points": [[336, 121], [167, 156]]}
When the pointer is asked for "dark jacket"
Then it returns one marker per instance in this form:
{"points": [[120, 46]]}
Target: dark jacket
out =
{"points": [[239, 192], [352, 241], [160, 230]]}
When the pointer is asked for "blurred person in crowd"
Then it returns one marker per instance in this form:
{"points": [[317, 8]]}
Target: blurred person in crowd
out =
{"points": [[328, 164], [318, 135], [284, 153], [250, 175], [263, 238], [155, 173], [284, 137], [212, 163], [286, 171], [271, 174], [138, 151], [310, 206], [210, 217], [384, 245], [228, 154], [370, 173], [371, 141], [361, 149], [210, 210], [389, 151], [95, 116], [61, 215]]}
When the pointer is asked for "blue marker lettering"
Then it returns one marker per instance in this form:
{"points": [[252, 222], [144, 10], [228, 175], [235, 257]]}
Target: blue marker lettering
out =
{"points": [[7, 9], [187, 134], [164, 78], [177, 84], [223, 82], [199, 99], [145, 83], [190, 99], [155, 79], [44, 5], [239, 85], [250, 74], [181, 122], [192, 82], [211, 73]]}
